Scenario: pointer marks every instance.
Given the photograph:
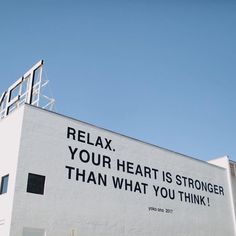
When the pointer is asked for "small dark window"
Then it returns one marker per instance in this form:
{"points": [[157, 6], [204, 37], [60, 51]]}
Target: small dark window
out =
{"points": [[35, 184], [4, 184]]}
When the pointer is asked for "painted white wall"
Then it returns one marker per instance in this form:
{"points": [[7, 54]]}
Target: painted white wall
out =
{"points": [[91, 209], [10, 130], [225, 163], [233, 186]]}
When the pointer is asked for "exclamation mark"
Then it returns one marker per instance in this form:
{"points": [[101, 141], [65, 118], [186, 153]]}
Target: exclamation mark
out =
{"points": [[208, 200]]}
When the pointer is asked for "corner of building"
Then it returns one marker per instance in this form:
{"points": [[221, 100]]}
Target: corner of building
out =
{"points": [[230, 167], [10, 133]]}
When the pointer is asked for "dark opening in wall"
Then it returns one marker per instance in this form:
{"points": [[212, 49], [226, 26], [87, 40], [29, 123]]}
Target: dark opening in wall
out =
{"points": [[4, 184], [35, 183]]}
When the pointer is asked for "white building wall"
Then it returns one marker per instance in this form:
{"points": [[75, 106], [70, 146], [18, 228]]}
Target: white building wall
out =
{"points": [[231, 175], [233, 184], [10, 131], [71, 207]]}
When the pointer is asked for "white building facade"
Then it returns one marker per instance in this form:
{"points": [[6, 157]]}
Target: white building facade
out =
{"points": [[60, 176]]}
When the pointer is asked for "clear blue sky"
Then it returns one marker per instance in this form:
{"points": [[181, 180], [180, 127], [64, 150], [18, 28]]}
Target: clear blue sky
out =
{"points": [[160, 71]]}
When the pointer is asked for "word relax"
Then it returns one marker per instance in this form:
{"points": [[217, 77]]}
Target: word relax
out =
{"points": [[86, 137]]}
